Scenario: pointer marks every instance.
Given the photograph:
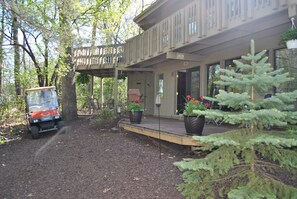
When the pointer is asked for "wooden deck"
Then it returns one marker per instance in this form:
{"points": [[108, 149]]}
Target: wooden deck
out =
{"points": [[171, 130]]}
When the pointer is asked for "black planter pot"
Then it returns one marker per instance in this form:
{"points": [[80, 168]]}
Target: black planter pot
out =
{"points": [[135, 117], [194, 125]]}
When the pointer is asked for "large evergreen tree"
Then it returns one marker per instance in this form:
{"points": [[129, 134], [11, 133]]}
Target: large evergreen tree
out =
{"points": [[250, 162]]}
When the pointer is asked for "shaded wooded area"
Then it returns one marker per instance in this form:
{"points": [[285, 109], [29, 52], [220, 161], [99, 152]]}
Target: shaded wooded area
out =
{"points": [[37, 38]]}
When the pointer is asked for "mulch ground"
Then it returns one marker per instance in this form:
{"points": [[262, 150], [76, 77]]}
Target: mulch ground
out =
{"points": [[85, 161]]}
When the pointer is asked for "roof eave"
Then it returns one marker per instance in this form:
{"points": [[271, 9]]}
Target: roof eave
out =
{"points": [[149, 11]]}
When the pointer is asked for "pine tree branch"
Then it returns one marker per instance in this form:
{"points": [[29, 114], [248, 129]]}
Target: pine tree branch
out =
{"points": [[241, 165], [266, 164], [269, 176], [242, 173]]}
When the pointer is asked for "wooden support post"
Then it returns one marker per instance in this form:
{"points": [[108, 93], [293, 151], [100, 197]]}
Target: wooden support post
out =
{"points": [[92, 86], [101, 92], [115, 90], [292, 8]]}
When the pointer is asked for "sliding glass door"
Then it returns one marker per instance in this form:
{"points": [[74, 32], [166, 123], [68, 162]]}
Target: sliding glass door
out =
{"points": [[193, 82], [188, 83]]}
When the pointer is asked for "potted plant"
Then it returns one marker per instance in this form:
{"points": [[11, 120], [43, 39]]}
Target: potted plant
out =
{"points": [[193, 119], [135, 111], [290, 38]]}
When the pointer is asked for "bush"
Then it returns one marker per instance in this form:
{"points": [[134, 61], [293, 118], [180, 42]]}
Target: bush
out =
{"points": [[290, 34], [105, 118], [12, 109]]}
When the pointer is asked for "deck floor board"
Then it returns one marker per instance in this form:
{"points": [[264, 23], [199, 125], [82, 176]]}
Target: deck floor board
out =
{"points": [[171, 130]]}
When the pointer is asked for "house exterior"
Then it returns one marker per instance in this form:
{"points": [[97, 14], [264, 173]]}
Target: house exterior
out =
{"points": [[185, 43]]}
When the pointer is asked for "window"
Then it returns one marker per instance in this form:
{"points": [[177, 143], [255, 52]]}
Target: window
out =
{"points": [[229, 63], [213, 74], [160, 88], [287, 59], [193, 82]]}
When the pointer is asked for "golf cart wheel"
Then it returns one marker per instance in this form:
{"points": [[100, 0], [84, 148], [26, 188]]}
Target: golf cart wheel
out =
{"points": [[34, 132], [60, 125]]}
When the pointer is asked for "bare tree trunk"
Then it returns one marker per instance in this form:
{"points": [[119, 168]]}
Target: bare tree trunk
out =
{"points": [[46, 61], [24, 57], [69, 105], [17, 62], [94, 32], [1, 48]]}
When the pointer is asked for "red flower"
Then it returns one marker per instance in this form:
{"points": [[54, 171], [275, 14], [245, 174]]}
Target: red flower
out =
{"points": [[137, 100], [207, 105], [202, 97], [192, 104]]}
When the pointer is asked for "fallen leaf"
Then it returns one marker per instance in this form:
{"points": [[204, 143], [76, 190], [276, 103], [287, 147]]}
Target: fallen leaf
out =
{"points": [[106, 190]]}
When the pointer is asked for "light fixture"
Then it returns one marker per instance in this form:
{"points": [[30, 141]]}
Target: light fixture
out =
{"points": [[158, 100]]}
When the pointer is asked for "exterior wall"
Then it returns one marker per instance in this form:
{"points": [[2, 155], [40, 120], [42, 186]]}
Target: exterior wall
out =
{"points": [[144, 81], [268, 43], [169, 71], [168, 101]]}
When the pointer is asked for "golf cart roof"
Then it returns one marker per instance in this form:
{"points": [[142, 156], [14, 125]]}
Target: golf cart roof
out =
{"points": [[40, 89]]}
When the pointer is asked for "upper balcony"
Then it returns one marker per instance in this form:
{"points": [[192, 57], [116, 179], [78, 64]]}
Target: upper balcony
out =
{"points": [[191, 25]]}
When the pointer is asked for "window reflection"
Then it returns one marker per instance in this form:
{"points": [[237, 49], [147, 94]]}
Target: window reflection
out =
{"points": [[161, 85], [195, 83], [287, 59], [213, 75]]}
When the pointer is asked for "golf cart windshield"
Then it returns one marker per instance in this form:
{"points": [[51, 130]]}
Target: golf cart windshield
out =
{"points": [[42, 100]]}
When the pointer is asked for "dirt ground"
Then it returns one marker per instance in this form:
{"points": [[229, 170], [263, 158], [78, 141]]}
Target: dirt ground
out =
{"points": [[85, 161]]}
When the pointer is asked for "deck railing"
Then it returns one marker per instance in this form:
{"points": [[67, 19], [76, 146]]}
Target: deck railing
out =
{"points": [[198, 20], [99, 56]]}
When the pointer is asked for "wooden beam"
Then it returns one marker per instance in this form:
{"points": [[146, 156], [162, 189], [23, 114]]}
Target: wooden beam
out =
{"points": [[136, 69], [173, 138], [292, 8], [115, 90], [101, 92], [93, 67], [92, 86], [183, 56]]}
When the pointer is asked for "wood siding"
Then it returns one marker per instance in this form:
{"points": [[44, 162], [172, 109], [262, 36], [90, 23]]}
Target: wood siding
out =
{"points": [[197, 21]]}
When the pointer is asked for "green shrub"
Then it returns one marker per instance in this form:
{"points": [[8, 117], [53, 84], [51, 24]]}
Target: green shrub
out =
{"points": [[105, 118], [290, 34], [12, 109]]}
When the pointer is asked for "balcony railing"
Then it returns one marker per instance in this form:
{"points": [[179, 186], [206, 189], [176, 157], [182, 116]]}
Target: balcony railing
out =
{"points": [[99, 56], [196, 21]]}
